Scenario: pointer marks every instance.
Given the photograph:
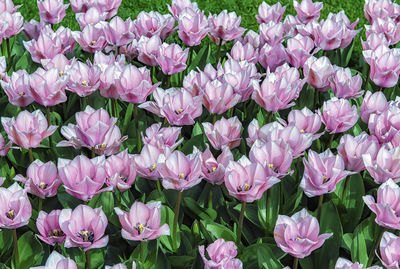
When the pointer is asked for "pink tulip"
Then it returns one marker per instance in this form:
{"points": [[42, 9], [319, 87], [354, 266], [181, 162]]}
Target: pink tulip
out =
{"points": [[267, 13], [272, 57], [247, 181], [338, 115], [94, 129], [219, 97], [305, 120], [91, 17], [297, 141], [119, 266], [49, 227], [83, 79], [278, 89], [298, 235], [344, 85], [120, 171], [224, 132], [84, 227], [317, 72], [386, 165], [28, 129], [3, 67], [52, 11], [386, 26], [291, 24], [41, 179], [142, 222], [222, 255], [4, 148], [374, 41], [388, 247], [119, 32], [92, 38], [32, 29], [262, 133], [307, 10], [192, 26], [153, 23], [180, 172], [385, 125], [8, 5], [17, 88], [134, 84], [108, 81], [373, 103], [383, 9], [178, 106], [342, 263], [299, 49], [245, 52], [162, 137], [213, 170], [195, 82], [172, 59], [322, 172], [149, 49], [15, 208], [224, 27], [252, 38], [271, 33], [12, 22], [83, 178], [147, 162], [108, 6], [60, 62], [57, 261], [178, 6], [66, 39]]}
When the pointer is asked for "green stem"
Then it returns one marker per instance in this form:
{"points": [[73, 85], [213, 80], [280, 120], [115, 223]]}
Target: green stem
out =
{"points": [[88, 265], [30, 155], [176, 217], [316, 98], [230, 112], [115, 108], [158, 184], [48, 113], [139, 140], [168, 81], [189, 60], [269, 120], [93, 152], [267, 202], [87, 101], [240, 225], [320, 202], [219, 52], [295, 263], [8, 54], [210, 196], [15, 242], [214, 118], [141, 252], [331, 140], [64, 109], [376, 244], [40, 204]]}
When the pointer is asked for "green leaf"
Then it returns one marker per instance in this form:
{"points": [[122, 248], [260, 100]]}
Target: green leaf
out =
{"points": [[197, 130], [349, 53], [197, 211], [30, 251], [5, 241], [105, 200], [363, 239], [259, 256], [167, 216], [127, 118], [200, 59], [67, 200], [218, 231], [268, 207]]}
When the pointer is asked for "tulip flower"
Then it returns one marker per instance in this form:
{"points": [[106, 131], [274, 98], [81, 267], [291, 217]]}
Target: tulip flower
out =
{"points": [[222, 255], [15, 208], [342, 263], [109, 79], [267, 13], [162, 137], [57, 261], [386, 165], [219, 97], [82, 177], [224, 27], [119, 32], [180, 172], [387, 26], [338, 115], [95, 129], [91, 17], [8, 5], [52, 11], [247, 181], [344, 85], [59, 62], [252, 38], [192, 26], [373, 103], [322, 172], [149, 49], [384, 125], [32, 29], [49, 227], [28, 129], [374, 41], [307, 10], [172, 59], [3, 67], [84, 227], [305, 120], [262, 133], [153, 23], [120, 171], [299, 49], [318, 71], [41, 179], [298, 235], [352, 148], [109, 6], [12, 22], [179, 107], [147, 162], [224, 132], [272, 56], [142, 222], [4, 148], [17, 88], [178, 6], [271, 33], [383, 9], [388, 248], [92, 38], [297, 141], [244, 52]]}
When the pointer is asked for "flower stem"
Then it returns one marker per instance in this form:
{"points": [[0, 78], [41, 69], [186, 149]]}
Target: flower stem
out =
{"points": [[88, 265], [331, 140], [210, 196], [141, 252], [214, 118], [115, 108], [158, 184], [295, 263], [376, 244], [267, 202], [48, 113], [269, 119], [320, 202], [240, 225], [15, 241], [176, 216], [30, 155], [135, 115], [40, 204], [316, 97], [93, 152], [87, 101]]}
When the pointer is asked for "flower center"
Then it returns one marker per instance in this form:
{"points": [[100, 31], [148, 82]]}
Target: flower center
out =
{"points": [[10, 214], [153, 167], [61, 73], [93, 42], [140, 228], [84, 83], [124, 179], [56, 233], [103, 146], [21, 93], [302, 131], [246, 187], [270, 165], [179, 111], [181, 176], [86, 236], [325, 179], [42, 185]]}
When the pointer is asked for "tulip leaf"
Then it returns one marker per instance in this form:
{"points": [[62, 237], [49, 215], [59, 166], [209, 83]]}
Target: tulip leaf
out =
{"points": [[167, 216], [197, 211], [259, 255], [127, 118], [268, 207], [200, 59], [30, 251], [251, 213], [218, 231], [5, 241], [67, 200], [363, 239], [105, 200]]}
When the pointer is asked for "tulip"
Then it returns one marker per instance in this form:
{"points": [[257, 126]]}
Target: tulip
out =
{"points": [[52, 11], [344, 85], [83, 79], [272, 57], [373, 103], [120, 171], [13, 23], [49, 227], [272, 33], [4, 148], [322, 172], [298, 234], [92, 38], [219, 97], [179, 107], [192, 26], [79, 6], [108, 81], [387, 26], [384, 126], [134, 84], [307, 10], [66, 38], [32, 29], [342, 263], [94, 129], [103, 60], [17, 88], [224, 27], [147, 162], [297, 141], [149, 49], [386, 165], [374, 41], [180, 172], [84, 227], [291, 24], [338, 115], [172, 59], [299, 49], [222, 255], [109, 6], [178, 6], [119, 266], [383, 9], [224, 132], [305, 120], [278, 89], [82, 177], [41, 179], [317, 72], [162, 137], [3, 67], [267, 13], [245, 52], [153, 23], [247, 181], [142, 222], [60, 62], [388, 247], [15, 208], [8, 5], [91, 17], [57, 261], [119, 32], [262, 133], [252, 38], [28, 129]]}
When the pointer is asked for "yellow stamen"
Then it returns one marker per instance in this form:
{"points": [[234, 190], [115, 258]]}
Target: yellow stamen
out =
{"points": [[302, 131], [246, 187], [325, 179], [43, 185], [271, 165], [93, 42], [181, 176], [214, 168], [140, 228], [21, 93], [61, 73], [179, 111], [84, 83], [278, 235], [104, 145], [10, 214]]}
